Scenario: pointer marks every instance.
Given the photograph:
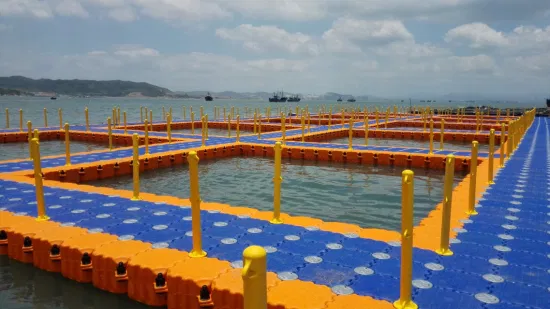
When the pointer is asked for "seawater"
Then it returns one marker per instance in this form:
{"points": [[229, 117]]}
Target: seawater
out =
{"points": [[366, 195]]}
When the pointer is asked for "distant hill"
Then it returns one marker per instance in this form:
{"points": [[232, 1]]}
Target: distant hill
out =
{"points": [[77, 87]]}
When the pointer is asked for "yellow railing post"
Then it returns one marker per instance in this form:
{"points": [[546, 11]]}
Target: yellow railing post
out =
{"points": [[195, 199], [387, 118], [205, 124], [118, 116], [229, 125], [21, 120], [36, 134], [110, 133], [254, 276], [192, 123], [308, 122], [224, 113], [238, 129], [350, 134], [67, 146], [259, 126], [491, 156], [45, 118], [125, 124], [141, 113], [509, 140], [502, 138], [377, 120], [87, 119], [407, 204], [473, 179], [203, 131], [29, 137], [255, 116], [202, 111], [431, 136], [442, 134], [146, 125], [303, 124], [169, 127], [7, 118], [330, 118], [366, 132], [498, 115], [60, 113], [39, 187], [447, 205], [277, 180], [424, 121], [283, 128], [163, 114], [135, 166]]}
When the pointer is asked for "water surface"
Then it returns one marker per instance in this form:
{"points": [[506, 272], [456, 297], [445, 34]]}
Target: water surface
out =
{"points": [[12, 151]]}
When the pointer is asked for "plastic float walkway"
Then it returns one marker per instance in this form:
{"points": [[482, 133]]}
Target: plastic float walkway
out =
{"points": [[501, 256]]}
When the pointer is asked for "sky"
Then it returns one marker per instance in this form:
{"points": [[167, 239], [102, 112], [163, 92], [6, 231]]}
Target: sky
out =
{"points": [[377, 47]]}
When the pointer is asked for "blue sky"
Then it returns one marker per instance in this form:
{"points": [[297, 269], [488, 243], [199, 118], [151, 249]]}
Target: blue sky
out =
{"points": [[377, 47]]}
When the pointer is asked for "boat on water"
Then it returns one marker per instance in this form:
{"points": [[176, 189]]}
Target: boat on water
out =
{"points": [[339, 99], [277, 98], [294, 98], [352, 99], [54, 97], [208, 97]]}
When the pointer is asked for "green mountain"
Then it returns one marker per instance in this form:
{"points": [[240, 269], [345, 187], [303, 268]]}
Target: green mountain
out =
{"points": [[77, 87]]}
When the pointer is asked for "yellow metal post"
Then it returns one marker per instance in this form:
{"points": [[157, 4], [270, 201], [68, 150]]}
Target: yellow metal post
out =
{"points": [[387, 118], [195, 200], [491, 156], [87, 119], [169, 127], [283, 128], [205, 124], [377, 120], [118, 116], [163, 113], [498, 115], [255, 119], [224, 113], [202, 111], [277, 180], [407, 205], [146, 124], [259, 126], [303, 123], [45, 118], [192, 123], [238, 128], [350, 134], [135, 166], [36, 134], [39, 187], [7, 118], [110, 132], [29, 137], [330, 118], [125, 124], [431, 136], [21, 120], [447, 205], [254, 276], [60, 113], [502, 137], [141, 113], [203, 131], [366, 132], [67, 146], [442, 134], [424, 121], [308, 122], [228, 125], [509, 141], [473, 179]]}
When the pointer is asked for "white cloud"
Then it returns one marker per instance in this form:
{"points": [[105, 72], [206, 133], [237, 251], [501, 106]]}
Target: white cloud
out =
{"points": [[471, 64], [97, 53], [135, 51], [123, 14], [296, 10], [38, 9], [278, 65], [523, 39], [479, 35], [263, 38], [181, 11], [70, 8]]}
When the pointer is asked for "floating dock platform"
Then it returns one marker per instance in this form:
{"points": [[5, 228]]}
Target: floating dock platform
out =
{"points": [[145, 247]]}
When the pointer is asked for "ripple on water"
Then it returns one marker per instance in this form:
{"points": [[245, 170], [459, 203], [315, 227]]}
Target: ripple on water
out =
{"points": [[364, 195]]}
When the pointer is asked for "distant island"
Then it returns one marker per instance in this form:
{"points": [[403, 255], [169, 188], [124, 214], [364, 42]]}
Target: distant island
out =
{"points": [[19, 85]]}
